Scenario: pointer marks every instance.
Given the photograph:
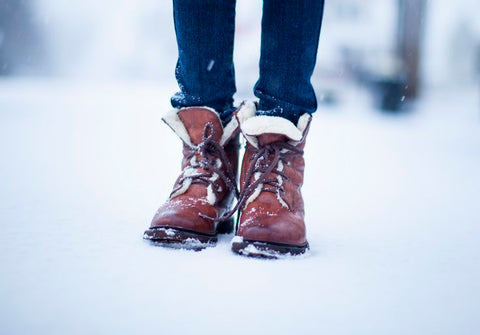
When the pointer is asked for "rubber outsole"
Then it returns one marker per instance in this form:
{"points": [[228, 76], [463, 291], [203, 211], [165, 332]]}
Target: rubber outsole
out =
{"points": [[184, 239], [259, 249]]}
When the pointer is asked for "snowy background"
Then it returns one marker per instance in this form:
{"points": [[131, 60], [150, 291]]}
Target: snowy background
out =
{"points": [[392, 199]]}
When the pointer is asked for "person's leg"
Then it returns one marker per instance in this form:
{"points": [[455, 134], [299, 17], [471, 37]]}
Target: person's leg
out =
{"points": [[290, 33], [205, 72], [207, 183], [271, 219]]}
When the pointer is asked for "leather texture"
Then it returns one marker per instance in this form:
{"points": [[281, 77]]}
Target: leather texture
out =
{"points": [[193, 209], [276, 214]]}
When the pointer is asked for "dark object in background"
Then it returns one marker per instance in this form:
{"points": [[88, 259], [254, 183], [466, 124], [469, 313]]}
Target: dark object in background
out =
{"points": [[328, 97], [390, 93], [477, 61], [411, 17], [21, 50], [387, 78]]}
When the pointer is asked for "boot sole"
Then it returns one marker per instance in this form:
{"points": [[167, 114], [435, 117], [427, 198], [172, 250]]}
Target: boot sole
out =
{"points": [[184, 239], [259, 249]]}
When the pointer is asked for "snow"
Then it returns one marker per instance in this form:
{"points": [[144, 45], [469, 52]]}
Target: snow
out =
{"points": [[257, 191], [211, 198], [392, 216], [392, 200], [280, 183], [210, 65], [237, 239], [170, 232]]}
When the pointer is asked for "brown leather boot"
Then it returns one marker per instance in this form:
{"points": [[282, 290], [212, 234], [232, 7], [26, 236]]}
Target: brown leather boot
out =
{"points": [[271, 220], [206, 187]]}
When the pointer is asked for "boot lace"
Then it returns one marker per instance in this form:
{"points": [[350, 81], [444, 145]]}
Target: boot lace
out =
{"points": [[267, 160], [212, 158]]}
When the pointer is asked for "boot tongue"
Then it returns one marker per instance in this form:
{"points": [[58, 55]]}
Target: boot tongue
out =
{"points": [[265, 139], [195, 118]]}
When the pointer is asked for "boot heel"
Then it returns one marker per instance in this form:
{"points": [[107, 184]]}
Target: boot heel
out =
{"points": [[225, 227]]}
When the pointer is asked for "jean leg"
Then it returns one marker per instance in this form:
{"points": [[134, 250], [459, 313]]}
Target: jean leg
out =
{"points": [[205, 71], [290, 34]]}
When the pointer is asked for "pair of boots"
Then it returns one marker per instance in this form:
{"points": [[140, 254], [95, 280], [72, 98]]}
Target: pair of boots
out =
{"points": [[270, 207]]}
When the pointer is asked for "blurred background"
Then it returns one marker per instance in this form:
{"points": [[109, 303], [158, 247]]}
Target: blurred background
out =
{"points": [[392, 182], [396, 48]]}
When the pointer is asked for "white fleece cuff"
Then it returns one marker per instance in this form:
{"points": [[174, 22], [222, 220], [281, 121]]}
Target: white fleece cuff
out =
{"points": [[264, 124], [173, 121], [253, 126]]}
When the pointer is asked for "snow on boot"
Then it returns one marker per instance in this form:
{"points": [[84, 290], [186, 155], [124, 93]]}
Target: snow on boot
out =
{"points": [[271, 219], [206, 187]]}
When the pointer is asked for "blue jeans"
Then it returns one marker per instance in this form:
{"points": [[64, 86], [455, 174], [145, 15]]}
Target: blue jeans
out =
{"points": [[205, 71]]}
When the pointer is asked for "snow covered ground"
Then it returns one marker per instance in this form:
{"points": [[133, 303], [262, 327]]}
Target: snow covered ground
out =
{"points": [[392, 209]]}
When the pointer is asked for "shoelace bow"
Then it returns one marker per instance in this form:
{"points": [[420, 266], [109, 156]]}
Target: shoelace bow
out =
{"points": [[209, 150], [261, 163]]}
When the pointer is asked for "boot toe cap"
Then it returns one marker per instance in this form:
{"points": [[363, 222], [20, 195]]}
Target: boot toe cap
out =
{"points": [[185, 215], [281, 228]]}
